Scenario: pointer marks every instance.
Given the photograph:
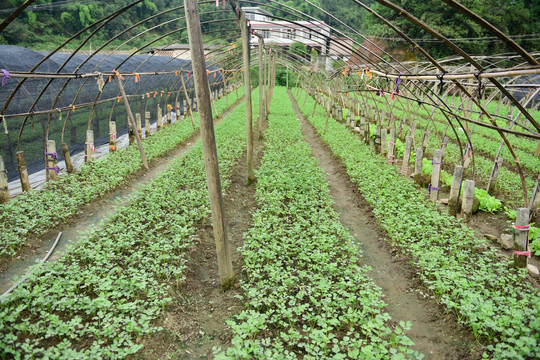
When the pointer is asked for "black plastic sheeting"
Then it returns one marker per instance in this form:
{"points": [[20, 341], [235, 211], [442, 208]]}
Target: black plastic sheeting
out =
{"points": [[153, 89]]}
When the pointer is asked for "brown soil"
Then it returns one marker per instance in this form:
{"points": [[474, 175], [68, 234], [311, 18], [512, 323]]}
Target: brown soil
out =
{"points": [[434, 332], [90, 214], [196, 320]]}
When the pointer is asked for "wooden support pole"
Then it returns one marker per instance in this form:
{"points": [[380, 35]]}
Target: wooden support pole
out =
{"points": [[537, 151], [362, 127], [4, 191], [444, 145], [367, 133], [132, 120], [377, 141], [521, 238], [392, 147], [425, 140], [89, 146], [187, 101], [247, 85], [261, 86], [169, 117], [52, 161], [468, 200], [131, 132], [494, 175], [139, 123], [455, 191], [401, 127], [147, 126], [209, 143], [383, 141], [314, 107], [112, 136], [159, 119], [23, 171], [436, 175], [418, 165], [406, 156], [67, 158], [287, 77]]}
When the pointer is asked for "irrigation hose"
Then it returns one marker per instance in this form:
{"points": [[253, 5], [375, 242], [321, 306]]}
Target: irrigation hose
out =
{"points": [[4, 296]]}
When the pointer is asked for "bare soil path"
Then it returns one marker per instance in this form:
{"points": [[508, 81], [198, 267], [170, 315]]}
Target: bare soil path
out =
{"points": [[435, 333]]}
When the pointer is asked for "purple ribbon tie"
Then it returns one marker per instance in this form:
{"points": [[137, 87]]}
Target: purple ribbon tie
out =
{"points": [[5, 77], [434, 188], [53, 154], [56, 169], [398, 81], [435, 163]]}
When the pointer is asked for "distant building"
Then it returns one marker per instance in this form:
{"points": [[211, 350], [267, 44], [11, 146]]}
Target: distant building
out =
{"points": [[313, 34]]}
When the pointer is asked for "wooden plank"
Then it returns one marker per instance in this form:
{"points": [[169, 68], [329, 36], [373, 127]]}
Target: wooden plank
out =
{"points": [[418, 165], [52, 161], [23, 171], [209, 143], [455, 191], [89, 146], [467, 202], [435, 175], [261, 85], [4, 191]]}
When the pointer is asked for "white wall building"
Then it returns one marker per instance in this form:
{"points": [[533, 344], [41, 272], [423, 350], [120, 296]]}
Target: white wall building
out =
{"points": [[283, 33]]}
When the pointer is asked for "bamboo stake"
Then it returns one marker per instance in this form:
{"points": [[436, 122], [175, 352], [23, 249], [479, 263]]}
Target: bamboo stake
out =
{"points": [[187, 101]]}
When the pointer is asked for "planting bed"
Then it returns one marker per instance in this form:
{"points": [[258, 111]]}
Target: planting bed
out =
{"points": [[482, 290], [31, 214], [105, 294]]}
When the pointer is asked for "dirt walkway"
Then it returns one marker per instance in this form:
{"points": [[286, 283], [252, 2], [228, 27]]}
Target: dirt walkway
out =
{"points": [[91, 214], [435, 333], [196, 321]]}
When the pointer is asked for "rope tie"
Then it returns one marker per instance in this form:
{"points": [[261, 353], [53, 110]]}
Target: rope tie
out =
{"points": [[137, 77], [441, 84], [404, 170], [53, 154], [477, 76], [5, 77], [522, 227], [435, 163]]}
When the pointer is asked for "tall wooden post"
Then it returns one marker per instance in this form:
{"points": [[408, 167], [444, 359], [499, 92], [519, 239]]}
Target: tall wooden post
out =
{"points": [[435, 175], [377, 141], [418, 165], [52, 161], [406, 156], [391, 147], [132, 120], [4, 191], [89, 146], [138, 120], [23, 171], [467, 202], [159, 119], [383, 141], [455, 191], [261, 86], [209, 142], [247, 85], [147, 126], [112, 136], [287, 81], [494, 175], [521, 238]]}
